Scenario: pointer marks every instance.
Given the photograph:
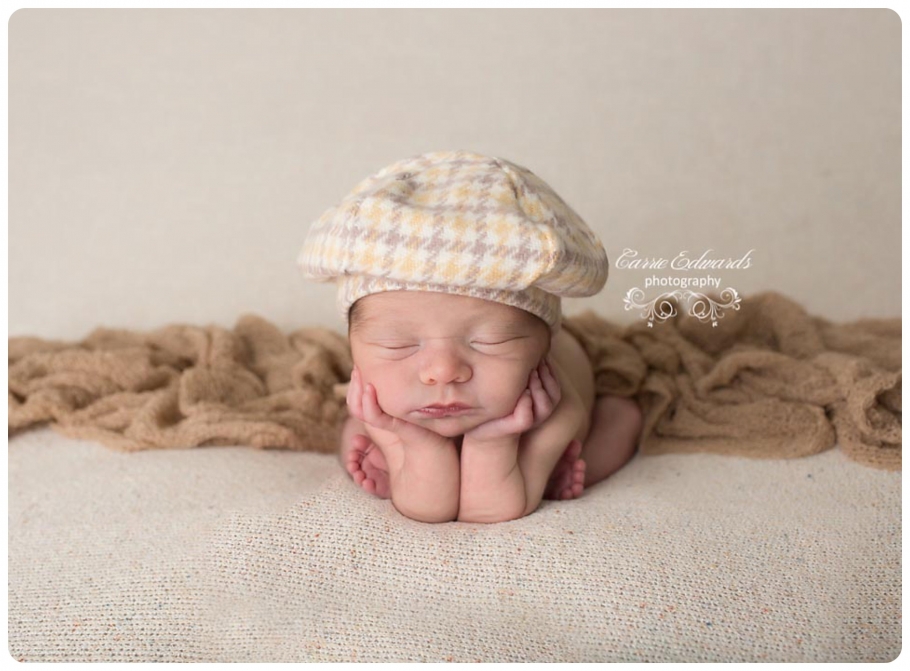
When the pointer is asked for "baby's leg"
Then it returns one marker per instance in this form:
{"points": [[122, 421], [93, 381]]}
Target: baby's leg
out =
{"points": [[614, 435], [363, 460], [616, 424]]}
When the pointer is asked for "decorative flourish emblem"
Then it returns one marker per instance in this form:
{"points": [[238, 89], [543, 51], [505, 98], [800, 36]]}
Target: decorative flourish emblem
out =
{"points": [[662, 308]]}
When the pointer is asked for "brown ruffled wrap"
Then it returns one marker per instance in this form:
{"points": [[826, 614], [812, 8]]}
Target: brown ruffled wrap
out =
{"points": [[768, 381]]}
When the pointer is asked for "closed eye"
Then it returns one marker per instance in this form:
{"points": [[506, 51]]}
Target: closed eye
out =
{"points": [[500, 342]]}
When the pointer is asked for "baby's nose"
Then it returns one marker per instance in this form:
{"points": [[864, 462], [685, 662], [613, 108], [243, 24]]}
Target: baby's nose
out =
{"points": [[445, 367]]}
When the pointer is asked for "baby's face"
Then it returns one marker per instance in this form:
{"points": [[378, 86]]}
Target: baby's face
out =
{"points": [[425, 348]]}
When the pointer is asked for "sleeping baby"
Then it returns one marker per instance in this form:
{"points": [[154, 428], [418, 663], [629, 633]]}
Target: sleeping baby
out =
{"points": [[467, 400]]}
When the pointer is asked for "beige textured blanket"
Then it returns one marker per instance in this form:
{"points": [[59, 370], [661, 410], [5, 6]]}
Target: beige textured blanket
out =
{"points": [[768, 380]]}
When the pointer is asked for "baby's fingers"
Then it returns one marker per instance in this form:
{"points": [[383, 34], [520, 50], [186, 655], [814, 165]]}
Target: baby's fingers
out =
{"points": [[372, 413], [355, 395], [522, 417], [543, 404], [403, 431], [549, 381], [525, 409], [517, 422]]}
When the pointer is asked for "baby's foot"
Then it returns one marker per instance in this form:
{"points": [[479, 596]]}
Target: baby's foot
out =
{"points": [[568, 478], [367, 465]]}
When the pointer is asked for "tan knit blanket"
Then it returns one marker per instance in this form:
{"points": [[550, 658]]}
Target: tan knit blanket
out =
{"points": [[768, 381]]}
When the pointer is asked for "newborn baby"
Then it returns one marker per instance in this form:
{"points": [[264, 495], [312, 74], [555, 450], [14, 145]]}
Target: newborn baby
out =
{"points": [[467, 400]]}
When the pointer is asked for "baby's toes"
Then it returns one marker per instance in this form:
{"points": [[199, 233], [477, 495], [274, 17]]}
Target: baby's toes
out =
{"points": [[357, 475], [368, 485], [352, 463], [572, 484], [355, 468], [581, 469], [578, 478], [573, 451], [566, 494]]}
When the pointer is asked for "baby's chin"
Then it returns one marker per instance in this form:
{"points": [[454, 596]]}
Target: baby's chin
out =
{"points": [[451, 427]]}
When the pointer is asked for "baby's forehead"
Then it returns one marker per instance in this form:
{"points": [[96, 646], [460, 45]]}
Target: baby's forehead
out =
{"points": [[460, 320], [419, 310]]}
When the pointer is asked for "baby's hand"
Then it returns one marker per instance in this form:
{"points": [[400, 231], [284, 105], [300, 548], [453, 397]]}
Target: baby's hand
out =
{"points": [[534, 406], [385, 430]]}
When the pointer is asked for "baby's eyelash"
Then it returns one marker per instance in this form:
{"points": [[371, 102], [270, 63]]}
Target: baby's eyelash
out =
{"points": [[501, 342]]}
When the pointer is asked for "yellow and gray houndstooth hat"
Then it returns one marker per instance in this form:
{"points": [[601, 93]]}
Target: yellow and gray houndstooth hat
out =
{"points": [[460, 223]]}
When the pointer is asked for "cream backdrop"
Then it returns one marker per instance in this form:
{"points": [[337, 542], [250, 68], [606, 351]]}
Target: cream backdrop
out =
{"points": [[164, 164]]}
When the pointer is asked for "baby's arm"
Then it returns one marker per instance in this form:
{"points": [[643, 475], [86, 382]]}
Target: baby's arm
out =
{"points": [[543, 447], [424, 480], [492, 484], [494, 487]]}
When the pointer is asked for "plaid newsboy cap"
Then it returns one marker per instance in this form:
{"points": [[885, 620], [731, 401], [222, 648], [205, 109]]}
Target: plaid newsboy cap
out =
{"points": [[460, 223]]}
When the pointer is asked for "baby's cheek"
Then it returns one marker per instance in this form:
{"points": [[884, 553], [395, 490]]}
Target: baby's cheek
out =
{"points": [[392, 393], [509, 388]]}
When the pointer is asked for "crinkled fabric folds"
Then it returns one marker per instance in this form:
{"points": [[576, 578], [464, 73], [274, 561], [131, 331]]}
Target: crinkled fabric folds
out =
{"points": [[185, 386], [768, 381]]}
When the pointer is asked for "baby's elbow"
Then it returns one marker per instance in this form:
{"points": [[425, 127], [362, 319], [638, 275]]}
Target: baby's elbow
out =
{"points": [[428, 515], [492, 516], [487, 519], [531, 507], [434, 518]]}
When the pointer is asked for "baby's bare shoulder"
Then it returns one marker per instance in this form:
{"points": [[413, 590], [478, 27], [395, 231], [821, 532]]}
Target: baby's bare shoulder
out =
{"points": [[573, 367], [572, 416]]}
